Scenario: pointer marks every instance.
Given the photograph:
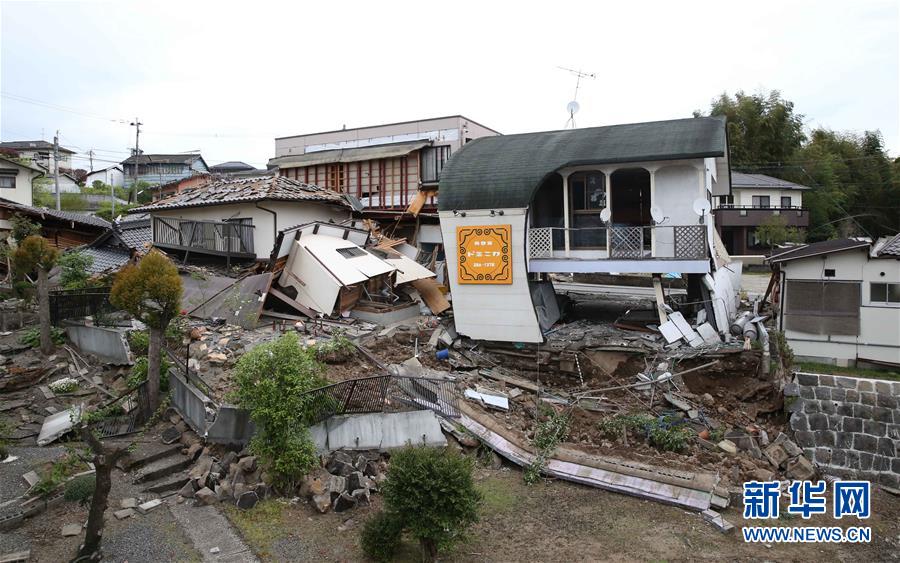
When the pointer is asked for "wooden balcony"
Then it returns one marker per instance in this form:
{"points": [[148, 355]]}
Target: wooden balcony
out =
{"points": [[228, 239], [747, 216]]}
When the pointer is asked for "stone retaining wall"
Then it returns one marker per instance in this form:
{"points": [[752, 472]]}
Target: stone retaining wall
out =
{"points": [[850, 427]]}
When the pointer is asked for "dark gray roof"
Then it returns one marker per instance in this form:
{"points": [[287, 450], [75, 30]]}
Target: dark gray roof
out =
{"points": [[135, 234], [231, 166], [505, 171], [818, 249], [741, 180], [355, 154], [106, 259], [163, 159], [888, 246], [220, 191], [41, 212], [32, 146]]}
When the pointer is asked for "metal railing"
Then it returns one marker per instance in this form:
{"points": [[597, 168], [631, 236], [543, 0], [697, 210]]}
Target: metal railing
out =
{"points": [[382, 393], [766, 207], [680, 242], [212, 237], [78, 303]]}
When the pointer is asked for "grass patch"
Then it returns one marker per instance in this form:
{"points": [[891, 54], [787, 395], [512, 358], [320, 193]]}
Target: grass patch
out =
{"points": [[261, 525], [815, 367], [499, 495]]}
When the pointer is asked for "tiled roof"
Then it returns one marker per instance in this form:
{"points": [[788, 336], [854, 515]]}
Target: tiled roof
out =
{"points": [[32, 146], [231, 166], [247, 189], [42, 212], [818, 248], [106, 259], [163, 158], [505, 171], [135, 234], [741, 180], [889, 246]]}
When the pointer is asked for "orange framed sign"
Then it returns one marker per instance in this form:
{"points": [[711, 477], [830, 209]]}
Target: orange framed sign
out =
{"points": [[484, 254]]}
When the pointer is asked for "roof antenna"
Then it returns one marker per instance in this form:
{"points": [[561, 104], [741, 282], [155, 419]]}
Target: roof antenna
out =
{"points": [[573, 107]]}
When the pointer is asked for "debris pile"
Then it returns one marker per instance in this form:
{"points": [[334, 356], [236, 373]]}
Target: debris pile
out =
{"points": [[346, 480], [230, 477]]}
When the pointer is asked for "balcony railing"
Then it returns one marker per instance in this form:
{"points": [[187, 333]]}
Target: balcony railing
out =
{"points": [[728, 215], [683, 242], [230, 239]]}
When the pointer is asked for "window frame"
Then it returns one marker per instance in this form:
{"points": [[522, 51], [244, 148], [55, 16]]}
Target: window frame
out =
{"points": [[10, 177], [888, 287], [788, 205], [761, 198], [433, 160], [582, 177]]}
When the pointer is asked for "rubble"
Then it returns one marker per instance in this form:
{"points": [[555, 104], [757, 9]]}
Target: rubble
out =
{"points": [[343, 483]]}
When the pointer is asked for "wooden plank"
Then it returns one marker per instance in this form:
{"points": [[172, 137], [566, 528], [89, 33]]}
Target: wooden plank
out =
{"points": [[514, 381], [431, 295], [660, 298], [292, 302]]}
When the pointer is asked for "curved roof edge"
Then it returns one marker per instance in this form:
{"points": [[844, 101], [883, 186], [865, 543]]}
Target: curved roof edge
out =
{"points": [[505, 171]]}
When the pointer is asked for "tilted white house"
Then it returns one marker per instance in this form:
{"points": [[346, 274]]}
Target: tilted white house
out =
{"points": [[16, 180], [839, 300], [624, 198]]}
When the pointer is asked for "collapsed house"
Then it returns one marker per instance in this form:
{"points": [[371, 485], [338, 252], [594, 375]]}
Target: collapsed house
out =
{"points": [[62, 229], [619, 199]]}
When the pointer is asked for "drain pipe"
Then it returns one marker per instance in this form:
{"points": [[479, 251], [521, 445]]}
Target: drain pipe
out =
{"points": [[274, 221], [764, 340]]}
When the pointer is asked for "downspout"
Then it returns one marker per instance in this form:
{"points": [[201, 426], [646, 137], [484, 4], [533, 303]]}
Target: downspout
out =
{"points": [[274, 224]]}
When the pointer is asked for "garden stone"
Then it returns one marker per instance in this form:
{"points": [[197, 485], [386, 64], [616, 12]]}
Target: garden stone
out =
{"points": [[204, 497], [344, 502], [247, 500]]}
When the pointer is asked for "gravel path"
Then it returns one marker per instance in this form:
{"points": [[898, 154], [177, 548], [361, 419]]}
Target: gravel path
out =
{"points": [[11, 483], [210, 530]]}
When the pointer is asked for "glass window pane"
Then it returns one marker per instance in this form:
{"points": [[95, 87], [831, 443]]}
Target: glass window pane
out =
{"points": [[878, 292], [578, 193], [786, 201], [893, 293], [596, 192]]}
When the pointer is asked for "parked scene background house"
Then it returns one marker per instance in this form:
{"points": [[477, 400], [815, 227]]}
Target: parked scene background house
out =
{"points": [[162, 168]]}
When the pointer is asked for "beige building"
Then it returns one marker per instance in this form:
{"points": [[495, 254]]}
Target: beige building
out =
{"points": [[16, 179], [40, 152]]}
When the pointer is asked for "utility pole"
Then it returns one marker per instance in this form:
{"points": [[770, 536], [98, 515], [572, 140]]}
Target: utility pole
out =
{"points": [[56, 167], [132, 195], [91, 156]]}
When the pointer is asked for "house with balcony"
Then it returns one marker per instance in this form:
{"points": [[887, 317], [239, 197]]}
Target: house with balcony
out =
{"points": [[629, 198], [160, 169], [393, 169], [40, 152], [239, 218], [754, 200]]}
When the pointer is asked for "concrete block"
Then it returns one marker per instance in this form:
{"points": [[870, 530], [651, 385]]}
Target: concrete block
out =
{"points": [[799, 422], [823, 393], [384, 431], [107, 344], [845, 409], [889, 480], [838, 394], [129, 503], [865, 461], [882, 414], [886, 401], [791, 389], [852, 424], [865, 443], [71, 530], [818, 421], [827, 407], [800, 469], [843, 440], [823, 456], [887, 447], [867, 399], [825, 438], [875, 428], [862, 411], [149, 505], [775, 454], [805, 439], [826, 380], [846, 382], [865, 385], [851, 395], [808, 379], [807, 392], [883, 387], [811, 406], [838, 457], [896, 388], [124, 513]]}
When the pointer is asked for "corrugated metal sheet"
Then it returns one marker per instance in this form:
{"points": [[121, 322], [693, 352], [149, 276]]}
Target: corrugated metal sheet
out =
{"points": [[348, 155]]}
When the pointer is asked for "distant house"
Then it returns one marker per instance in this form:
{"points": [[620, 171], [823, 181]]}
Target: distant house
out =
{"points": [[754, 199], [240, 218], [162, 168], [111, 176], [839, 300], [68, 184], [16, 181], [390, 168], [168, 189], [234, 167], [40, 152]]}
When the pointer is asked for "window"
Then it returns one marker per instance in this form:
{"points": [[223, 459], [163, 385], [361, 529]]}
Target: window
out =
{"points": [[726, 200], [336, 180], [884, 292], [7, 180], [433, 160], [588, 191], [351, 252], [822, 307], [761, 201], [785, 202], [829, 273]]}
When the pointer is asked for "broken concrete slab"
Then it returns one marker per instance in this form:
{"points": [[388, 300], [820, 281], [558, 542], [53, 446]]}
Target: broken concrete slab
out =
{"points": [[384, 431], [71, 530], [124, 513], [490, 400], [800, 469], [128, 502], [56, 425], [149, 505], [105, 343], [728, 446], [717, 520]]}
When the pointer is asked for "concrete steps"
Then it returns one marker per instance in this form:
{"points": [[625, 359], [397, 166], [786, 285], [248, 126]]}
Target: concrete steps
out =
{"points": [[147, 457], [163, 467], [169, 485]]}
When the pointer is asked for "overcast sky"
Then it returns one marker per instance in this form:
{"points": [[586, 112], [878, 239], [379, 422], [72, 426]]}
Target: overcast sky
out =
{"points": [[227, 78]]}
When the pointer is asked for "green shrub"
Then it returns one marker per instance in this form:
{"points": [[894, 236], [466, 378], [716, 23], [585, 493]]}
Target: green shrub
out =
{"points": [[23, 227], [671, 439], [32, 336], [80, 489], [381, 536], [23, 290], [271, 381], [337, 349], [547, 436], [432, 493], [662, 433], [74, 269], [139, 372], [139, 342]]}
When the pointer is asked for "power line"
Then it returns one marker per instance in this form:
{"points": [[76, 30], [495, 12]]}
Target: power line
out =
{"points": [[58, 107]]}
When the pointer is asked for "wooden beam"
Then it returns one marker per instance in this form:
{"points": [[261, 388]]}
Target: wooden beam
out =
{"points": [[292, 302], [660, 298]]}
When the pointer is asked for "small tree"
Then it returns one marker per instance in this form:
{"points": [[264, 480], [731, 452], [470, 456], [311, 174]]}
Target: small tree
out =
{"points": [[36, 254], [271, 381], [23, 227], [151, 291], [775, 230], [431, 493], [74, 268]]}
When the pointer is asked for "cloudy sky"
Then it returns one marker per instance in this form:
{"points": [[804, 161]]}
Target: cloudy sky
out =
{"points": [[227, 78]]}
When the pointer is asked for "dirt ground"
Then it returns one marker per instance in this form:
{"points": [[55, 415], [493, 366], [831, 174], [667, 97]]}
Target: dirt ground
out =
{"points": [[560, 521]]}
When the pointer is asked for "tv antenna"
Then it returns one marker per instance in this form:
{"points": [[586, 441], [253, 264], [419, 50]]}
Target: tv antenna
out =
{"points": [[573, 107]]}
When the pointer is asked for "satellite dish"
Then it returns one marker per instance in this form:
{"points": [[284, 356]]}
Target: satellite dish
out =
{"points": [[701, 206], [606, 215], [657, 214], [573, 107]]}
